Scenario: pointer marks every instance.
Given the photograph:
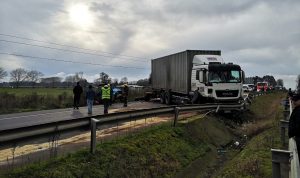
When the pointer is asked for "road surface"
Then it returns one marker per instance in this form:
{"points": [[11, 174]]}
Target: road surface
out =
{"points": [[24, 119]]}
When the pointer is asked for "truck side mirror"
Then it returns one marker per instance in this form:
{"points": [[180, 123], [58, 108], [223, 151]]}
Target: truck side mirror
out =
{"points": [[201, 76]]}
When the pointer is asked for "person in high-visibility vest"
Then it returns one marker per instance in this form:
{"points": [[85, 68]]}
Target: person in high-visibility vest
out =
{"points": [[105, 96]]}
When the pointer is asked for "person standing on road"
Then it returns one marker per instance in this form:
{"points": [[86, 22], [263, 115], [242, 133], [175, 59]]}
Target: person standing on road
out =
{"points": [[294, 123], [77, 90], [290, 93], [105, 96], [110, 100], [90, 95], [125, 94]]}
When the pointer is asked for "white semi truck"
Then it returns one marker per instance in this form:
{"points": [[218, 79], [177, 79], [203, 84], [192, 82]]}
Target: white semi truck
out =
{"points": [[196, 76]]}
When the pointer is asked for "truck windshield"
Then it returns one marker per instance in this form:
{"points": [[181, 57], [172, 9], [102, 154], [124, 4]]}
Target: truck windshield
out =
{"points": [[232, 76]]}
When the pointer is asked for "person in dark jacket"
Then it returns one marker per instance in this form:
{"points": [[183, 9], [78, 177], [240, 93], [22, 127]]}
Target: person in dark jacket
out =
{"points": [[290, 93], [90, 95], [77, 90], [294, 123], [125, 94]]}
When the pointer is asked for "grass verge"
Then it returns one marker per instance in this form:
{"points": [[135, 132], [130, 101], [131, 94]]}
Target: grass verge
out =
{"points": [[158, 152], [255, 159]]}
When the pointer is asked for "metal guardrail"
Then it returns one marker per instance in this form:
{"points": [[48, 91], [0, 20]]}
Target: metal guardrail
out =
{"points": [[294, 161], [31, 131], [295, 168], [13, 135], [175, 110], [286, 158], [27, 132]]}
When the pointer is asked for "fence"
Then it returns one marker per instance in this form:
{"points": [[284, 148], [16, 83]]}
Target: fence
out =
{"points": [[285, 163]]}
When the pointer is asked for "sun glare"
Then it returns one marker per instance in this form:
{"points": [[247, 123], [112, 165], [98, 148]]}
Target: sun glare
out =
{"points": [[80, 15]]}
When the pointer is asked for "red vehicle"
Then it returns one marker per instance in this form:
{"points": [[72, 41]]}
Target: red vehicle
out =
{"points": [[262, 86]]}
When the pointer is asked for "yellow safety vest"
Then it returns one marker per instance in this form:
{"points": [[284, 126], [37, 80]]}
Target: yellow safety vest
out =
{"points": [[105, 93]]}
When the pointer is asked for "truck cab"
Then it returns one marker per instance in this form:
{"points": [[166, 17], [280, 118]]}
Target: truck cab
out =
{"points": [[262, 86], [214, 80]]}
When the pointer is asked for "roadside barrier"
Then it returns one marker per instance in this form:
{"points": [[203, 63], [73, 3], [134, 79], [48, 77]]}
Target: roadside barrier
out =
{"points": [[285, 163], [175, 110]]}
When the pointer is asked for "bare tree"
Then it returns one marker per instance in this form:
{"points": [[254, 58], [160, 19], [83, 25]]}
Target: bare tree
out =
{"points": [[18, 75], [51, 81], [104, 77], [79, 76], [70, 80], [270, 79], [123, 80], [115, 81], [34, 76], [298, 84], [3, 73], [143, 82], [280, 82]]}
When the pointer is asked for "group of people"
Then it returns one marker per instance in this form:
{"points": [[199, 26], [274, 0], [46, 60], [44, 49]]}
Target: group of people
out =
{"points": [[104, 92]]}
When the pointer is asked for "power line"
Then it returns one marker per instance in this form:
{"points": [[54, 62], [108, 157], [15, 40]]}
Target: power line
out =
{"points": [[67, 50], [14, 36], [62, 60]]}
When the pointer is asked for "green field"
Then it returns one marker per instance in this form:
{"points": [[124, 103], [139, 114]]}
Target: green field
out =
{"points": [[39, 91], [15, 100]]}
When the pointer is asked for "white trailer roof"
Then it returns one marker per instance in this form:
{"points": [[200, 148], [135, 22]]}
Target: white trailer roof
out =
{"points": [[206, 59]]}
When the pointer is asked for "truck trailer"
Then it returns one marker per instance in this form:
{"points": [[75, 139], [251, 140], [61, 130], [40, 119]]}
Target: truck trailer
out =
{"points": [[196, 76]]}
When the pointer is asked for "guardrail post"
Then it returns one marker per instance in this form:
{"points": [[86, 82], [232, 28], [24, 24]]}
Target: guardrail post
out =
{"points": [[93, 135], [176, 116], [286, 114], [283, 126], [282, 136], [280, 161]]}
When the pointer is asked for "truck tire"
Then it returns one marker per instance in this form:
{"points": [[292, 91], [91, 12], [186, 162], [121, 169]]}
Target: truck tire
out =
{"points": [[162, 98], [168, 98], [147, 97], [196, 97]]}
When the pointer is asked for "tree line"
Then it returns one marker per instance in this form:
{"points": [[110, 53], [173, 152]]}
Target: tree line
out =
{"points": [[32, 78], [268, 78]]}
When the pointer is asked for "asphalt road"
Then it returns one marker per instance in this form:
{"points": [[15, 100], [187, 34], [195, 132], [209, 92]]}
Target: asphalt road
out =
{"points": [[19, 120]]}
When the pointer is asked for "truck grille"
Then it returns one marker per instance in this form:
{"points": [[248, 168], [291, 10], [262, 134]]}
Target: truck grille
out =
{"points": [[227, 93]]}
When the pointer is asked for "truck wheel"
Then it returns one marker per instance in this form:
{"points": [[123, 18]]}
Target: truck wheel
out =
{"points": [[195, 97], [162, 98], [168, 98], [147, 97]]}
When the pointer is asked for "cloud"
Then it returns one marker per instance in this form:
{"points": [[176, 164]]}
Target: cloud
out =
{"points": [[262, 36]]}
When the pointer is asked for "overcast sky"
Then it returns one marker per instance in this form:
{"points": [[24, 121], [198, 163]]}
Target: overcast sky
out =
{"points": [[123, 36]]}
